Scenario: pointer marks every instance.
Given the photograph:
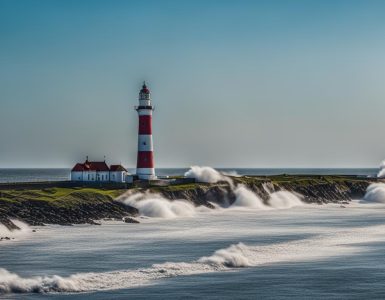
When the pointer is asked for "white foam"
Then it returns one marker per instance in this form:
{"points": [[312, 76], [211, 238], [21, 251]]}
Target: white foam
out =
{"points": [[156, 206], [204, 174], [24, 230], [246, 198], [375, 193], [207, 175], [381, 172], [284, 200]]}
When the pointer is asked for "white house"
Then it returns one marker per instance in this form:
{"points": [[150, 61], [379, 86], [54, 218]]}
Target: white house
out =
{"points": [[118, 173], [98, 171]]}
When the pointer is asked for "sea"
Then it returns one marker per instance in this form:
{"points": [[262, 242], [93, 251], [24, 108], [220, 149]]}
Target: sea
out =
{"points": [[307, 251]]}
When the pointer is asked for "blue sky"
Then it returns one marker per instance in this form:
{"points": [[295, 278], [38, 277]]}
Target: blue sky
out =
{"points": [[235, 83]]}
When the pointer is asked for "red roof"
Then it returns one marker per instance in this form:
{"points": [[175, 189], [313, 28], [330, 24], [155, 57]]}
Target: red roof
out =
{"points": [[78, 168], [99, 166], [117, 168]]}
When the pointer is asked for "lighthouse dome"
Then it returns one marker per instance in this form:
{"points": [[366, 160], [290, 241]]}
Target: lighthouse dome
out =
{"points": [[144, 89]]}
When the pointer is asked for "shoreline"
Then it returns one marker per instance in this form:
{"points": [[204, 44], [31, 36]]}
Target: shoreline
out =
{"points": [[66, 202]]}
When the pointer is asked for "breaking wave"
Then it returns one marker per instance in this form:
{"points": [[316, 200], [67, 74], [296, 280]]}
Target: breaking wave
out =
{"points": [[24, 229], [156, 206], [283, 200], [381, 172], [207, 175], [232, 257], [246, 198], [278, 200], [375, 193], [339, 242]]}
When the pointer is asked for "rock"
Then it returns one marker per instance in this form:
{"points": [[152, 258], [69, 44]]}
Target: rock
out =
{"points": [[130, 220]]}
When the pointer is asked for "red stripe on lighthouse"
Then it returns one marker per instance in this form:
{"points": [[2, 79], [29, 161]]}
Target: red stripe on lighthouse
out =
{"points": [[145, 159], [145, 124]]}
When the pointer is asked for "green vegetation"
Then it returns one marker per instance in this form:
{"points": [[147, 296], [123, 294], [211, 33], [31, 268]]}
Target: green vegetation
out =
{"points": [[177, 187], [59, 196]]}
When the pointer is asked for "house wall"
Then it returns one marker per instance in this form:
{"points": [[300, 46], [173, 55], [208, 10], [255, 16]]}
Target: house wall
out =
{"points": [[103, 176], [89, 176], [118, 176], [77, 176]]}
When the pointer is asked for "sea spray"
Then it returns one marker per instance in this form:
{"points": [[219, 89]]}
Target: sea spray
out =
{"points": [[207, 175], [246, 198], [235, 256], [283, 200], [381, 172], [156, 206], [23, 229], [375, 193]]}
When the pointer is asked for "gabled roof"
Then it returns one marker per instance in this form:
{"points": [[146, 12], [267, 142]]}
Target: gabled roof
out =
{"points": [[96, 166], [78, 168], [117, 168], [99, 166]]}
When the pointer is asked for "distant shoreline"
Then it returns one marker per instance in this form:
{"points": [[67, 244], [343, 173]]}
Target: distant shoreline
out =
{"points": [[22, 175]]}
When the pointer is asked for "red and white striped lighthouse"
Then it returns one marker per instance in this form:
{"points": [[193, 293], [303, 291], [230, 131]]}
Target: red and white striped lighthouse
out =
{"points": [[145, 162]]}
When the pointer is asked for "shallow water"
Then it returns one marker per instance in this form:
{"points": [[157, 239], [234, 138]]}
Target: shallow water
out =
{"points": [[303, 252]]}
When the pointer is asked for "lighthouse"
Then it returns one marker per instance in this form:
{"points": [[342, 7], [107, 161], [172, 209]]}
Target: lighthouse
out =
{"points": [[145, 163]]}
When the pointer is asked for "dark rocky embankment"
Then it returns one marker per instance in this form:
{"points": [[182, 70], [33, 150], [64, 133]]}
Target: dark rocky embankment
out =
{"points": [[76, 205], [313, 189], [61, 206]]}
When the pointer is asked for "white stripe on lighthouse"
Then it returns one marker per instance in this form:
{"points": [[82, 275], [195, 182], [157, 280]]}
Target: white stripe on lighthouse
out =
{"points": [[146, 171], [145, 112], [145, 142]]}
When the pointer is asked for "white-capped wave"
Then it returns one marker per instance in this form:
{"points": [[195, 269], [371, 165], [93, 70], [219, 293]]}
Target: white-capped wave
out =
{"points": [[207, 174], [284, 199], [23, 230], [244, 197], [235, 256], [381, 172], [156, 206], [375, 193]]}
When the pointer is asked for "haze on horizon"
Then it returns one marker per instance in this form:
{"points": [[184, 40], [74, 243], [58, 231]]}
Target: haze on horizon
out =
{"points": [[234, 83]]}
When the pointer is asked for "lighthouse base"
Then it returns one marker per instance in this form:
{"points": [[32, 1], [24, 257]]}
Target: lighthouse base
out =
{"points": [[146, 173]]}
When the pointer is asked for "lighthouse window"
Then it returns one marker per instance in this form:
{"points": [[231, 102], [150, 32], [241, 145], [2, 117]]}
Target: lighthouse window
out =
{"points": [[144, 143]]}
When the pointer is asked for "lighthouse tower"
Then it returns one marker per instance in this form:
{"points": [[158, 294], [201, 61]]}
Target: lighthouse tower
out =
{"points": [[145, 162]]}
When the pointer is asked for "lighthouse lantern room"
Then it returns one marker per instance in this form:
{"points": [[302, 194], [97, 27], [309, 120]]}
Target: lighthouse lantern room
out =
{"points": [[145, 168]]}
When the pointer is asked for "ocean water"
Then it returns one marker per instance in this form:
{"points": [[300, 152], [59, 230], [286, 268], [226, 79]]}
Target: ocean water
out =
{"points": [[30, 175], [305, 252]]}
